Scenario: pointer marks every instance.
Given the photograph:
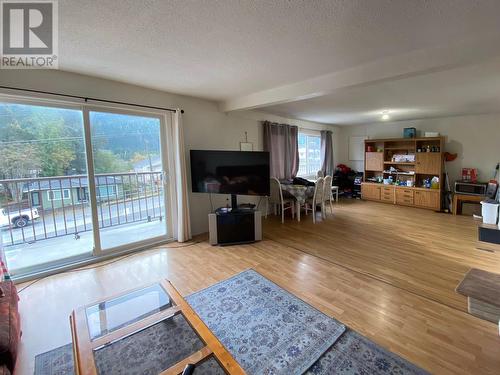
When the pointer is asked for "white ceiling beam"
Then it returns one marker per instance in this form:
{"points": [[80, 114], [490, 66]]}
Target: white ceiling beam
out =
{"points": [[395, 67]]}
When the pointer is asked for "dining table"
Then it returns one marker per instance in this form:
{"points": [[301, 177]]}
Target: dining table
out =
{"points": [[300, 193]]}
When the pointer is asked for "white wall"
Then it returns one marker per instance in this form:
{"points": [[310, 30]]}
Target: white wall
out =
{"points": [[206, 127], [475, 138]]}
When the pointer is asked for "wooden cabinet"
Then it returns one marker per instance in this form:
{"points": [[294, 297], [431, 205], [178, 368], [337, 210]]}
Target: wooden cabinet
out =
{"points": [[428, 199], [404, 196], [400, 159], [370, 191], [428, 163], [374, 161], [387, 194]]}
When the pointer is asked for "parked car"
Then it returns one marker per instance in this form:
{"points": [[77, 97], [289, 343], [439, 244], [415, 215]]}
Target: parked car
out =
{"points": [[18, 219]]}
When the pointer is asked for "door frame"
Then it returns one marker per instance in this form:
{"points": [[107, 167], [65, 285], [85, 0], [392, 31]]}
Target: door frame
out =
{"points": [[165, 123]]}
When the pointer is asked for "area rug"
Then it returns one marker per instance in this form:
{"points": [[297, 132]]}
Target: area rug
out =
{"points": [[354, 354], [58, 361], [266, 329], [147, 352]]}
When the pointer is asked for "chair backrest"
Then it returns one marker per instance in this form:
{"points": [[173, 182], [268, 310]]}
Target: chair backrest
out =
{"points": [[276, 193], [319, 190], [320, 173], [327, 188]]}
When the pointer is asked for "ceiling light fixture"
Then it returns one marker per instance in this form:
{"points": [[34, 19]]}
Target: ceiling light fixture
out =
{"points": [[385, 115]]}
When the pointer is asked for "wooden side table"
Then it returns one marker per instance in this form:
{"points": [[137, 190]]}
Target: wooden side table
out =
{"points": [[458, 199], [481, 289]]}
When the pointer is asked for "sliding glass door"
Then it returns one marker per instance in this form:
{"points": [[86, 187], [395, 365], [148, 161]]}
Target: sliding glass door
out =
{"points": [[45, 214], [78, 182], [129, 170]]}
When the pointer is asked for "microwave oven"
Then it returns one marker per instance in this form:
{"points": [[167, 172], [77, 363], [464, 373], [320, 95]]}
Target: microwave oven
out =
{"points": [[469, 188]]}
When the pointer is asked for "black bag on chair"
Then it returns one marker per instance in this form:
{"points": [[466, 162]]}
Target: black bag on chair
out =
{"points": [[302, 181]]}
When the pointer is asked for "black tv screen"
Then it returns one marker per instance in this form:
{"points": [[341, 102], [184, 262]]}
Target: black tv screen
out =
{"points": [[230, 172]]}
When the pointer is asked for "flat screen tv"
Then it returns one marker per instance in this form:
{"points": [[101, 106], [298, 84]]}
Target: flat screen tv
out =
{"points": [[230, 172]]}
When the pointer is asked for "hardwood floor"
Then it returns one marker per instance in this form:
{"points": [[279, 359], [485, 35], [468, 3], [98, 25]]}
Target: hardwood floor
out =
{"points": [[387, 272], [421, 251]]}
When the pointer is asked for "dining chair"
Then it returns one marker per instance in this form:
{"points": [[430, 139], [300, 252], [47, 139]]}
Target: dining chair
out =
{"points": [[317, 199], [327, 192], [276, 199]]}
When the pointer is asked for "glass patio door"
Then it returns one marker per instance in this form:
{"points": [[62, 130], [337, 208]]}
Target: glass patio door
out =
{"points": [[45, 215], [130, 186], [79, 181]]}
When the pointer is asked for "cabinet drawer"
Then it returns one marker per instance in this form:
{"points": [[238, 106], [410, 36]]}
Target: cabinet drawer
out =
{"points": [[387, 197], [404, 196], [387, 194]]}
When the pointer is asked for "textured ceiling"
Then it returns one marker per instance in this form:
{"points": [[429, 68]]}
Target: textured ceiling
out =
{"points": [[472, 89], [221, 49]]}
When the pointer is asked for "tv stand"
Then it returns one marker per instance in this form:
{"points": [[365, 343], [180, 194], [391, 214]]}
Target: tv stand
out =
{"points": [[234, 226], [234, 202]]}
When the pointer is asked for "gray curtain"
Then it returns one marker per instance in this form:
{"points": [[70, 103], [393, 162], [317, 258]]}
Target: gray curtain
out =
{"points": [[326, 153], [281, 141]]}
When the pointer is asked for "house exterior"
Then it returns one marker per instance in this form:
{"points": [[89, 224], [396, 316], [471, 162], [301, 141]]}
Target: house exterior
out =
{"points": [[69, 191]]}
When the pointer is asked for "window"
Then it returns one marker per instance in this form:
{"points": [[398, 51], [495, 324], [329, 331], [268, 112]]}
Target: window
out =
{"points": [[309, 154], [55, 195], [123, 198]]}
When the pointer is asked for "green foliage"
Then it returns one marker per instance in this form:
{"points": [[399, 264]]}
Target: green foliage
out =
{"points": [[45, 141], [107, 162]]}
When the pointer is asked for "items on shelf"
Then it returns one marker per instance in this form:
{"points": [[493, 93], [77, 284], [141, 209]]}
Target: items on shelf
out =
{"points": [[429, 148], [431, 134], [409, 132], [469, 175], [399, 158]]}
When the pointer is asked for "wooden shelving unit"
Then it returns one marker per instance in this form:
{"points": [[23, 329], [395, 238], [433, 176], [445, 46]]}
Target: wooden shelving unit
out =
{"points": [[428, 163]]}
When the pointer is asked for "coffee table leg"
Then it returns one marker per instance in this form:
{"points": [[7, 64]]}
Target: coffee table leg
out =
{"points": [[298, 210]]}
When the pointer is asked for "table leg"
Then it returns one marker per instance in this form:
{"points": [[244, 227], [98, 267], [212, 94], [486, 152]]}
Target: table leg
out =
{"points": [[298, 211]]}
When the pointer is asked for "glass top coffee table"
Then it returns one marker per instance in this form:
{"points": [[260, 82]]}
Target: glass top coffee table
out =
{"points": [[149, 330]]}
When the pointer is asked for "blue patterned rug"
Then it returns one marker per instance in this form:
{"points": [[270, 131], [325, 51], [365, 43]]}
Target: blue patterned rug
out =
{"points": [[266, 329], [354, 354]]}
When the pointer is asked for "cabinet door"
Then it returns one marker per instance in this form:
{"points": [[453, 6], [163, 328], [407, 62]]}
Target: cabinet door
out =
{"points": [[427, 199], [405, 197], [374, 161], [387, 194], [371, 192], [428, 163]]}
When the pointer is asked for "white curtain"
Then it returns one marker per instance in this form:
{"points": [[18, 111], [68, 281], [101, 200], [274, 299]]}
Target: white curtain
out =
{"points": [[182, 222]]}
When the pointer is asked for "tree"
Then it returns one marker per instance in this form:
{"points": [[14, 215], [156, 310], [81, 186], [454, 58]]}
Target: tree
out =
{"points": [[19, 160], [105, 161]]}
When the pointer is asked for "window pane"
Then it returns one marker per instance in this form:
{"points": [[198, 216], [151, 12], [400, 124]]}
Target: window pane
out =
{"points": [[128, 168], [309, 155], [42, 160]]}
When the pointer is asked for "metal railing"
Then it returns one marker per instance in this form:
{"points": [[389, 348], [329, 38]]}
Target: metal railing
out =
{"points": [[34, 209]]}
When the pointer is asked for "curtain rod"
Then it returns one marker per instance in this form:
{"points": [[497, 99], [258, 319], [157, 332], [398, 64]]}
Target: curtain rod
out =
{"points": [[87, 98]]}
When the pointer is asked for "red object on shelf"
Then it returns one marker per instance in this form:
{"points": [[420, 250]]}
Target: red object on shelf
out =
{"points": [[469, 175], [370, 149]]}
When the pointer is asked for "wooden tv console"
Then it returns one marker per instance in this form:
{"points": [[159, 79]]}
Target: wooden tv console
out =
{"points": [[379, 158]]}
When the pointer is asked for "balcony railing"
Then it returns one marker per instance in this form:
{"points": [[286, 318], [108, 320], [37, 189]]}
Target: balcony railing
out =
{"points": [[35, 209]]}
